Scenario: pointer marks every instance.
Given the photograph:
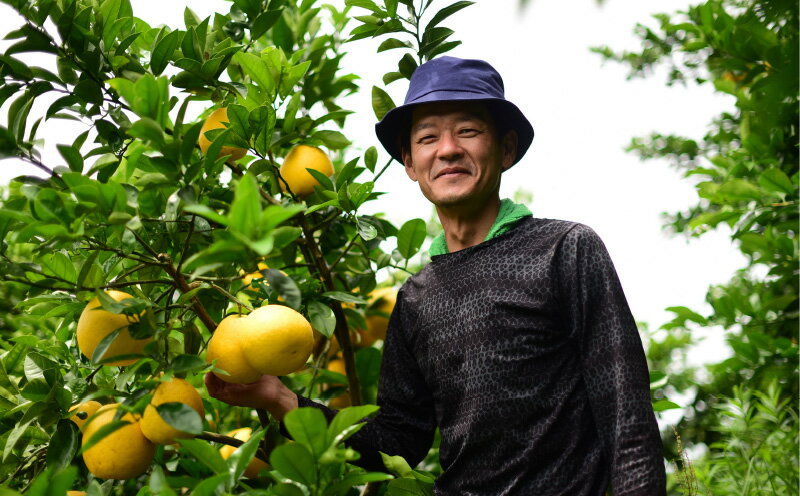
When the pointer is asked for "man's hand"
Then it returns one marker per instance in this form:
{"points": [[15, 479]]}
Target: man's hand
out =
{"points": [[268, 393]]}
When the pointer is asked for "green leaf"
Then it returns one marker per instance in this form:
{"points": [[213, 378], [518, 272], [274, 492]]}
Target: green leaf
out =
{"points": [[392, 43], [102, 347], [343, 297], [15, 436], [284, 286], [366, 4], [410, 237], [147, 130], [257, 69], [407, 66], [72, 156], [322, 318], [245, 210], [776, 181], [408, 487], [187, 363], [294, 462], [371, 158], [163, 51], [308, 427], [207, 212], [334, 140], [181, 416], [381, 102], [662, 405], [63, 445], [205, 454], [262, 121], [346, 418], [447, 12], [397, 465], [263, 22], [211, 486], [241, 457]]}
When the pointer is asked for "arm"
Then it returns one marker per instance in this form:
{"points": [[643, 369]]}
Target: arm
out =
{"points": [[403, 426], [613, 363], [405, 423]]}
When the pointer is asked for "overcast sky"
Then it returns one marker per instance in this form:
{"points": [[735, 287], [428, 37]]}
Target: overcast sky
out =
{"points": [[583, 112]]}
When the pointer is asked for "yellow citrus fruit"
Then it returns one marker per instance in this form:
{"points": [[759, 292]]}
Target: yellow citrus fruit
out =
{"points": [[225, 347], [248, 278], [88, 408], [217, 120], [256, 464], [175, 390], [381, 304], [76, 493], [276, 340], [342, 400], [95, 324], [123, 454], [293, 170]]}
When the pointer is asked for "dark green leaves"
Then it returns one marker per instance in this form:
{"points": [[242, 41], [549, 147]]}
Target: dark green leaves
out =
{"points": [[381, 102], [163, 51], [181, 416], [322, 318], [63, 445], [410, 237]]}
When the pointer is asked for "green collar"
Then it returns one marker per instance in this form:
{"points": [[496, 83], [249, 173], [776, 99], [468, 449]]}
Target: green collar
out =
{"points": [[508, 215]]}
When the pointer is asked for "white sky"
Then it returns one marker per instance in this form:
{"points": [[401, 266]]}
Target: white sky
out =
{"points": [[583, 112]]}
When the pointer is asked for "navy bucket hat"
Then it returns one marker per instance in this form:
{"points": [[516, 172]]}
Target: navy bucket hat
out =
{"points": [[447, 79]]}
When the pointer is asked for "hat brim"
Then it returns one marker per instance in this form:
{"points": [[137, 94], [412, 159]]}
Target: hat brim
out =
{"points": [[395, 123]]}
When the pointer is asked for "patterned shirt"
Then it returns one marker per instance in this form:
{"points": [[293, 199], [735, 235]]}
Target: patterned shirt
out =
{"points": [[523, 351]]}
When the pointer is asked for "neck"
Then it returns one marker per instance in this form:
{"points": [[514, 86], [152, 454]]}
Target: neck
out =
{"points": [[467, 227]]}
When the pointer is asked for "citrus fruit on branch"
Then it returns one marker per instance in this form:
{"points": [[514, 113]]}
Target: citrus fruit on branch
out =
{"points": [[217, 120], [175, 390], [272, 340], [95, 323], [293, 170], [123, 454]]}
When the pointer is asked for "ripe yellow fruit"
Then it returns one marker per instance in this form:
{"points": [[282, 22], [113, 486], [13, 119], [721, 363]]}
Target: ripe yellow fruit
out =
{"points": [[87, 407], [293, 170], [95, 324], [256, 465], [225, 347], [276, 340], [217, 120], [177, 390], [381, 302], [123, 454], [342, 400], [76, 493], [248, 278]]}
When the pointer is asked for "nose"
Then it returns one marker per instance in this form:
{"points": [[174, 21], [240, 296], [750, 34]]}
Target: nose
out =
{"points": [[449, 147]]}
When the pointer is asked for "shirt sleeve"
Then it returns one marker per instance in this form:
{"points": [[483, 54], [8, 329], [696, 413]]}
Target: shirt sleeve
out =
{"points": [[405, 423], [613, 362]]}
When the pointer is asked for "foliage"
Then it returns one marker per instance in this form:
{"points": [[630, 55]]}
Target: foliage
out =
{"points": [[745, 170], [134, 205]]}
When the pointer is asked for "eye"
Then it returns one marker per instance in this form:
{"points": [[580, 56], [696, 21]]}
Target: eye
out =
{"points": [[425, 139], [469, 132]]}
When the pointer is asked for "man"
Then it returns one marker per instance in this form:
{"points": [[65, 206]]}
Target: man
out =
{"points": [[516, 340]]}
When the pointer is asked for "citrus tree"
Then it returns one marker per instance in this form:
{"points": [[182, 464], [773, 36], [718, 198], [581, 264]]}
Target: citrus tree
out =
{"points": [[746, 174], [204, 215]]}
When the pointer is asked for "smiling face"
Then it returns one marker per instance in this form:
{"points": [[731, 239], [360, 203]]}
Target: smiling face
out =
{"points": [[456, 155]]}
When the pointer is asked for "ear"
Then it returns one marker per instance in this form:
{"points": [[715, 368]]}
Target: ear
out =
{"points": [[412, 174], [509, 146]]}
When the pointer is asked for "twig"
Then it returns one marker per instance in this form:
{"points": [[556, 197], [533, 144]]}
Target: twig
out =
{"points": [[231, 297], [184, 287]]}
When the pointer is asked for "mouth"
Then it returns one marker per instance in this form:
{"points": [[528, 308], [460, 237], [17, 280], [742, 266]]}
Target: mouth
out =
{"points": [[451, 172]]}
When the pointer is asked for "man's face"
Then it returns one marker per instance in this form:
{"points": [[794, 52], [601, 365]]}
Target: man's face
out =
{"points": [[455, 153]]}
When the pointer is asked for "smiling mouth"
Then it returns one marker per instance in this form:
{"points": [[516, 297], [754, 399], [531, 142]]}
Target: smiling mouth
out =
{"points": [[451, 172]]}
